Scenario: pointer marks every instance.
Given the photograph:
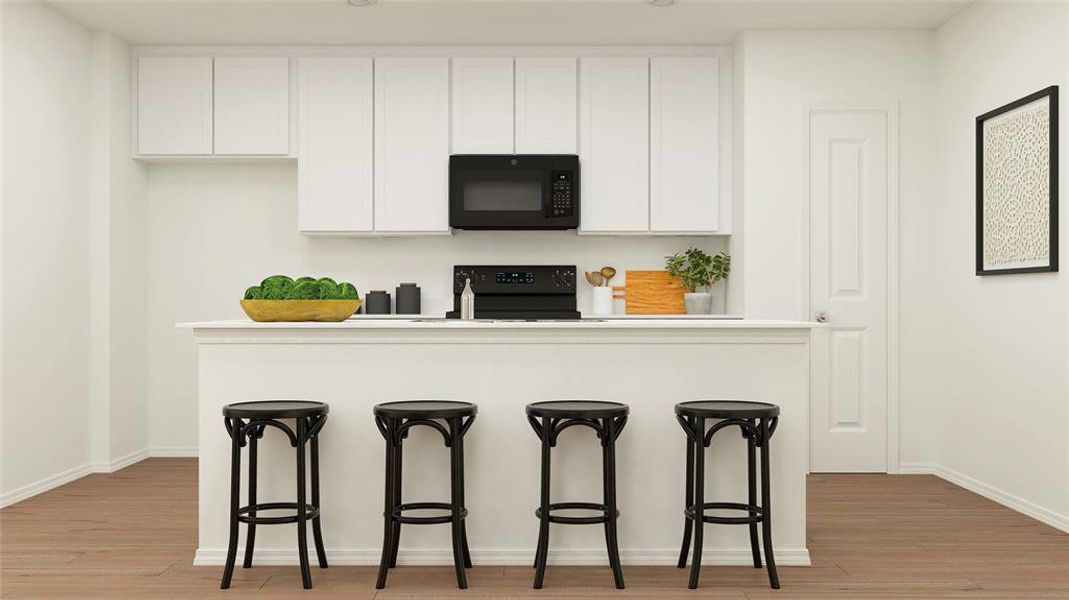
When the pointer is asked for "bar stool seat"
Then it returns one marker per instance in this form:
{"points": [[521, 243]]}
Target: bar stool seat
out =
{"points": [[246, 423], [757, 421], [394, 420], [607, 419]]}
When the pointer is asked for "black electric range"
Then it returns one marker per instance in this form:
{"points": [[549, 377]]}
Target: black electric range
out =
{"points": [[528, 292]]}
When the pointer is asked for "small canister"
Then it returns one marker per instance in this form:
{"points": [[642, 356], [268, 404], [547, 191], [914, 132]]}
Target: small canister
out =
{"points": [[377, 302], [408, 299]]}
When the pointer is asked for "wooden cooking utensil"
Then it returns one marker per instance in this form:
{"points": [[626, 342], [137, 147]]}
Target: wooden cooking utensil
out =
{"points": [[608, 273]]}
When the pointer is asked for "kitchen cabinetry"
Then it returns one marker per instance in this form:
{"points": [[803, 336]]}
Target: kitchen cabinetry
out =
{"points": [[614, 144], [334, 142], [411, 144], [546, 105], [174, 104], [684, 145], [251, 105], [482, 105]]}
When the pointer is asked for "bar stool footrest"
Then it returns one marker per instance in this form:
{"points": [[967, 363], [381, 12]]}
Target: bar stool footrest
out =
{"points": [[568, 520], [431, 520], [756, 517], [310, 512]]}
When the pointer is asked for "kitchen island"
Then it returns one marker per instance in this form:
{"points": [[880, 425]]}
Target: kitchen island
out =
{"points": [[501, 366]]}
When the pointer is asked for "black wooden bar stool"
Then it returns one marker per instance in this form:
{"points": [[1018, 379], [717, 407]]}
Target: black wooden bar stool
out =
{"points": [[757, 420], [394, 419], [607, 419], [246, 421]]}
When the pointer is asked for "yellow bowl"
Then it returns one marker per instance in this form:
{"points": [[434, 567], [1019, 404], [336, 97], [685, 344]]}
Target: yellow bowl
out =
{"points": [[300, 310]]}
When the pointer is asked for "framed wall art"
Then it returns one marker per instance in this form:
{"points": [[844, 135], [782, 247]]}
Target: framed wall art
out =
{"points": [[1017, 186]]}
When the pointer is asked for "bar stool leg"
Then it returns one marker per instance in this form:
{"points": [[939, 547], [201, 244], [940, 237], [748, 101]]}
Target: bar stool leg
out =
{"points": [[396, 476], [543, 528], [235, 491], [688, 500], [317, 530], [463, 504], [766, 506], [609, 476], [699, 501], [751, 463], [250, 536], [455, 499], [302, 503], [387, 512]]}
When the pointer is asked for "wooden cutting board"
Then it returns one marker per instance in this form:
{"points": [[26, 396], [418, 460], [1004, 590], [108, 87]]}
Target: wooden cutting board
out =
{"points": [[652, 293]]}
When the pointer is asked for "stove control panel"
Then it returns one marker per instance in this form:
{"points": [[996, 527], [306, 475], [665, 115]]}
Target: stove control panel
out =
{"points": [[516, 280]]}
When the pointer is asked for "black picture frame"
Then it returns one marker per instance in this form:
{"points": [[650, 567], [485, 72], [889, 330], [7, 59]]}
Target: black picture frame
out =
{"points": [[1051, 94]]}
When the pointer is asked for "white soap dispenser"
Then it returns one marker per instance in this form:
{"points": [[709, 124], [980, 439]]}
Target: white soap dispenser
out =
{"points": [[467, 302]]}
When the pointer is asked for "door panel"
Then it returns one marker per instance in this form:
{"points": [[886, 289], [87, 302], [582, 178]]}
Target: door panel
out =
{"points": [[849, 177], [252, 111], [482, 105], [614, 144], [546, 105], [411, 144]]}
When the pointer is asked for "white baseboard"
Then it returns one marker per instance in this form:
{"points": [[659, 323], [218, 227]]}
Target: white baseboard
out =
{"points": [[1043, 515], [173, 452], [43, 485], [351, 556], [119, 463]]}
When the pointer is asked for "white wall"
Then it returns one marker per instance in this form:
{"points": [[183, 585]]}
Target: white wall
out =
{"points": [[215, 229], [45, 312], [118, 249], [1000, 386], [785, 71]]}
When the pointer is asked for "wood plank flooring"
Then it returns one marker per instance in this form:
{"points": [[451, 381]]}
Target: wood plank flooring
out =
{"points": [[132, 534]]}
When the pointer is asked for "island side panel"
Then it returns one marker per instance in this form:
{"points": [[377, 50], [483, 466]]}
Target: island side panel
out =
{"points": [[502, 453]]}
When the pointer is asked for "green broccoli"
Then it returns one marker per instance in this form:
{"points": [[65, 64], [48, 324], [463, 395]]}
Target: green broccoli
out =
{"points": [[305, 290], [276, 287], [347, 291], [328, 289], [254, 293], [305, 279]]}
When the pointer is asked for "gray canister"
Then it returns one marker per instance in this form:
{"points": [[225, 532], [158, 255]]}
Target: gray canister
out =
{"points": [[377, 302], [408, 299]]}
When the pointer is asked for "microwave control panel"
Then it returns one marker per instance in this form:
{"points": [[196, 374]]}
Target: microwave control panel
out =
{"points": [[562, 205]]}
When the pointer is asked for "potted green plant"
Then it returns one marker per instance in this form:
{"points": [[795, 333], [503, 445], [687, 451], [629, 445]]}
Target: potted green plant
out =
{"points": [[698, 272]]}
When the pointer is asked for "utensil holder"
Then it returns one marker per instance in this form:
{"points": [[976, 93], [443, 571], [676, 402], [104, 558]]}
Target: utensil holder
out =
{"points": [[602, 301]]}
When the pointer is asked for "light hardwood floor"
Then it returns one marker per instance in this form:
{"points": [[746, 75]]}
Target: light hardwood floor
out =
{"points": [[132, 534]]}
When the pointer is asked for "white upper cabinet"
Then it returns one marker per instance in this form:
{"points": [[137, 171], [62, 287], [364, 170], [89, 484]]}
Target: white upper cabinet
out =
{"points": [[614, 144], [334, 145], [482, 105], [411, 144], [546, 106], [252, 105], [174, 105], [684, 145]]}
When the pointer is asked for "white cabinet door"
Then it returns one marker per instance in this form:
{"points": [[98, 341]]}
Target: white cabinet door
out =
{"points": [[252, 105], [334, 145], [614, 144], [411, 144], [174, 105], [684, 145], [546, 106], [482, 105]]}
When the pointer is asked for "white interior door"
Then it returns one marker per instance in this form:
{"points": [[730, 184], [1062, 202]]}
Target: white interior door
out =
{"points": [[850, 169]]}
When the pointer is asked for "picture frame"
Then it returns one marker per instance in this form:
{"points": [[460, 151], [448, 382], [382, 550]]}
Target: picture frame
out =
{"points": [[1017, 186]]}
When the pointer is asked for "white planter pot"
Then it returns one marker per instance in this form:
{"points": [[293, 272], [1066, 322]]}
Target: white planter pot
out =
{"points": [[698, 303]]}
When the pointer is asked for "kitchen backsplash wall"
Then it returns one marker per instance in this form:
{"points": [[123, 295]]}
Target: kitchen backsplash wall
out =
{"points": [[216, 228]]}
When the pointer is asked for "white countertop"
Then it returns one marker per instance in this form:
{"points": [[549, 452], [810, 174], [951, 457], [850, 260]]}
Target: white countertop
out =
{"points": [[617, 322]]}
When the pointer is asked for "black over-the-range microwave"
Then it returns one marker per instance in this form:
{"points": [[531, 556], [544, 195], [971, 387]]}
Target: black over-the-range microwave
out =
{"points": [[514, 191]]}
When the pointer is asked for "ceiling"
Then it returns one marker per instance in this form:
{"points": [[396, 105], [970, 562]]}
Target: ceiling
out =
{"points": [[487, 22]]}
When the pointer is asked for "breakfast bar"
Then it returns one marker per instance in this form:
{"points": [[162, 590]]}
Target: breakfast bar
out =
{"points": [[501, 366]]}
